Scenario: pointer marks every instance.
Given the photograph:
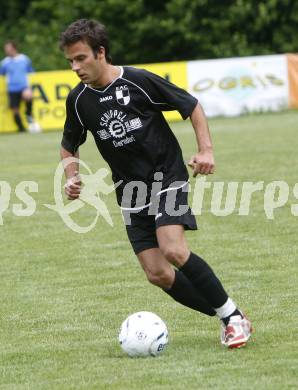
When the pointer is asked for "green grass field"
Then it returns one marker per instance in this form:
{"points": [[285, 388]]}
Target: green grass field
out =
{"points": [[64, 295]]}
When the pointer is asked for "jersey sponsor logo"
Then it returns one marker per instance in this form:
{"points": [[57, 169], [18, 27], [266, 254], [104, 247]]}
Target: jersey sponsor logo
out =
{"points": [[122, 95], [108, 116], [133, 124], [117, 129], [103, 134], [105, 98], [114, 125], [125, 141]]}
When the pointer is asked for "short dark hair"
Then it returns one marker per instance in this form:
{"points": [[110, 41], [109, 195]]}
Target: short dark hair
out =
{"points": [[90, 31]]}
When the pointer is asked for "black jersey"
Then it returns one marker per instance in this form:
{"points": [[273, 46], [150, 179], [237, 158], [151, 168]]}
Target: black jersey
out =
{"points": [[128, 126]]}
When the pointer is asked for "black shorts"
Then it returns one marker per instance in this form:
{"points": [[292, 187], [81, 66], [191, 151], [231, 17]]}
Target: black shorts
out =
{"points": [[171, 209], [15, 99]]}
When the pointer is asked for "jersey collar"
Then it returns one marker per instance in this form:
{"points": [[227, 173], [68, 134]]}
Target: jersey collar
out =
{"points": [[109, 85]]}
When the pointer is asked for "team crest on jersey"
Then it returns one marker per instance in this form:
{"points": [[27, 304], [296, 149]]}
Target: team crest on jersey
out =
{"points": [[122, 95]]}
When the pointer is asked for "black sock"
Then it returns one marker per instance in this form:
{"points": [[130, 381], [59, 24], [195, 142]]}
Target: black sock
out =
{"points": [[185, 293], [29, 107], [19, 122], [235, 313], [204, 280]]}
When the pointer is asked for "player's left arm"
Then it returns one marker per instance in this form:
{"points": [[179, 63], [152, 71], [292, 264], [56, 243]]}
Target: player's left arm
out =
{"points": [[166, 96], [203, 161]]}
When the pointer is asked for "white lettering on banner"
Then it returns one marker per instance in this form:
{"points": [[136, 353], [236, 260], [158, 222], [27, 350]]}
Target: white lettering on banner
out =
{"points": [[234, 86], [228, 83]]}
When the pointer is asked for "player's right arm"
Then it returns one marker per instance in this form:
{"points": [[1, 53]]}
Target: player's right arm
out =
{"points": [[74, 135], [73, 183], [2, 68]]}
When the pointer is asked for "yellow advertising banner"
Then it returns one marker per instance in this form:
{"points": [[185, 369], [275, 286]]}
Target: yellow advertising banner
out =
{"points": [[50, 90], [293, 79]]}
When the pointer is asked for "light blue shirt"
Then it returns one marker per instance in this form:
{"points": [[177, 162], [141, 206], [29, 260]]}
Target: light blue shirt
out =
{"points": [[16, 69]]}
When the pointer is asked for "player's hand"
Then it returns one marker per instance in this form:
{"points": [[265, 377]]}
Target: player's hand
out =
{"points": [[203, 163], [72, 187]]}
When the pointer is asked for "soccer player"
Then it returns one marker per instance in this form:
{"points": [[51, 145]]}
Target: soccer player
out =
{"points": [[16, 67], [122, 107]]}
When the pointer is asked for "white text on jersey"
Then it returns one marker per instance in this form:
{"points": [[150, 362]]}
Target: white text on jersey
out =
{"points": [[105, 98]]}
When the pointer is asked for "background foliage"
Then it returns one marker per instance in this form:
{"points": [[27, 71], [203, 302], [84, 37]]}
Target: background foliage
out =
{"points": [[154, 31]]}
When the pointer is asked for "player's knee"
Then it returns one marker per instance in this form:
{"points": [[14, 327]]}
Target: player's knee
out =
{"points": [[160, 279], [175, 254]]}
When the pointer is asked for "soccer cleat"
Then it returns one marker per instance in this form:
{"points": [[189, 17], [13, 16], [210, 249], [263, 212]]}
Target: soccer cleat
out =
{"points": [[237, 332], [34, 127]]}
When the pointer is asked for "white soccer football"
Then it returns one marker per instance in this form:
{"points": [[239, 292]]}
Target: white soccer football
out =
{"points": [[143, 334]]}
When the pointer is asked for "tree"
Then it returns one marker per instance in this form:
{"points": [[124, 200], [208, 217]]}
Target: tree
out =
{"points": [[155, 31]]}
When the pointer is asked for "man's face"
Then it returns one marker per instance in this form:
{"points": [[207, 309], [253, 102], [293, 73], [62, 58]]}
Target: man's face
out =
{"points": [[10, 50], [82, 61]]}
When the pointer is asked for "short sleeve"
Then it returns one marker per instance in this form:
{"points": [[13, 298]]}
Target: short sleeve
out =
{"points": [[74, 133], [167, 96]]}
